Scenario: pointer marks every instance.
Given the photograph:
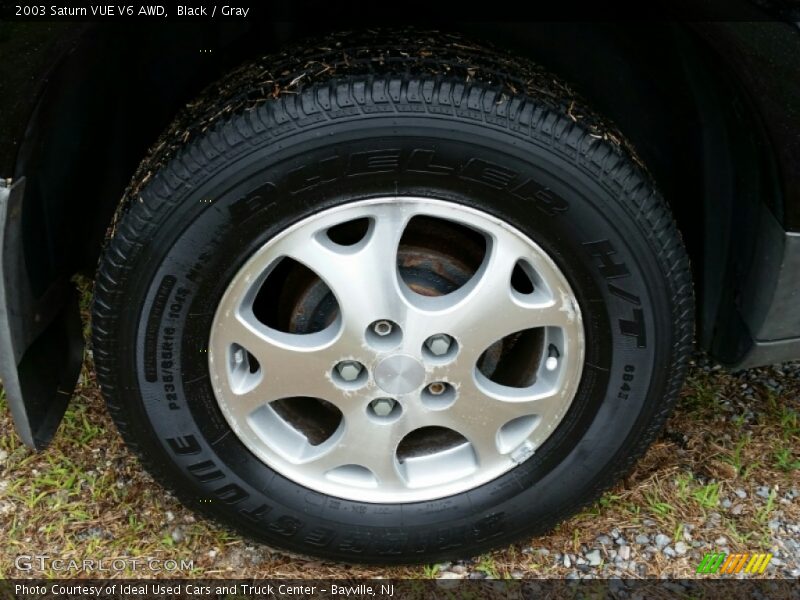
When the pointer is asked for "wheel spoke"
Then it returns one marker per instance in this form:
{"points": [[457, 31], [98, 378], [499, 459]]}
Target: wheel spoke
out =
{"points": [[365, 444], [364, 277], [488, 309], [479, 417], [280, 357]]}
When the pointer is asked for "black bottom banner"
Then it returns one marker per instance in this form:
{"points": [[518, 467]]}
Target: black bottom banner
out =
{"points": [[385, 589]]}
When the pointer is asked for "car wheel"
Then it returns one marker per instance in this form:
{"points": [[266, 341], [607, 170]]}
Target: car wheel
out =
{"points": [[397, 315]]}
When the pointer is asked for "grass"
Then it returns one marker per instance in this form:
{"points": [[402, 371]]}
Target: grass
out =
{"points": [[657, 505], [707, 496], [765, 511], [86, 496], [785, 460], [486, 565], [430, 571]]}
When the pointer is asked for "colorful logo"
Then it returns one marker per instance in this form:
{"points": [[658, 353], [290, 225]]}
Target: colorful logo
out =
{"points": [[729, 564]]}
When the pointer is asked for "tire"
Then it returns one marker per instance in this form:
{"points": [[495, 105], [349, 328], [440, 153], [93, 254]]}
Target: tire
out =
{"points": [[500, 159]]}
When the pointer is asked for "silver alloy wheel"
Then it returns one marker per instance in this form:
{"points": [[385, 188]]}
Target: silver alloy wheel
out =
{"points": [[497, 425]]}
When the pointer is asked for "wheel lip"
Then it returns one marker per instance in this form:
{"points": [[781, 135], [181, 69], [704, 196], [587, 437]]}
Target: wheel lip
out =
{"points": [[324, 337]]}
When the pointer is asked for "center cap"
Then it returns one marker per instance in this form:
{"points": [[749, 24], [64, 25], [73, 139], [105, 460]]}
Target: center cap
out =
{"points": [[399, 374]]}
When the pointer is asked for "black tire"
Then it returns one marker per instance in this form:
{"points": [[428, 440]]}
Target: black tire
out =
{"points": [[586, 202]]}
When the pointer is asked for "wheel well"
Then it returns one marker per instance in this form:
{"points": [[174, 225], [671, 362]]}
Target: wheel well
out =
{"points": [[107, 102]]}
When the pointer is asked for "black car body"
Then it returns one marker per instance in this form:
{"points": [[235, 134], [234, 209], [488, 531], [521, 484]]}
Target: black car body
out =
{"points": [[713, 108]]}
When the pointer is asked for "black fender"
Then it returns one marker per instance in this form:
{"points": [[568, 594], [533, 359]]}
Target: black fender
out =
{"points": [[41, 346]]}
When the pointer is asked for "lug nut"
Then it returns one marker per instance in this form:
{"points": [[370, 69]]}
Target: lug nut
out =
{"points": [[439, 344], [382, 407], [382, 328], [349, 370], [437, 388]]}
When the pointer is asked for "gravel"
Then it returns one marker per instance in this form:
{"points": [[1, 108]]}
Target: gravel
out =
{"points": [[763, 491], [594, 558], [449, 575], [604, 540], [662, 540]]}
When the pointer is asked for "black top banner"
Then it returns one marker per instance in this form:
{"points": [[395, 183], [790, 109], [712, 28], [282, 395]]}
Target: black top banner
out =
{"points": [[405, 12]]}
